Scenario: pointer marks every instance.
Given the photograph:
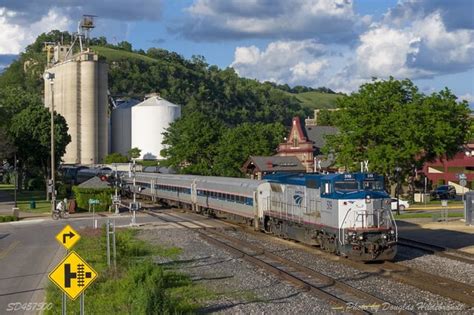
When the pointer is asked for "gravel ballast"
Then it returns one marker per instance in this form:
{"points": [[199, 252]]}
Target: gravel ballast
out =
{"points": [[244, 288], [240, 286]]}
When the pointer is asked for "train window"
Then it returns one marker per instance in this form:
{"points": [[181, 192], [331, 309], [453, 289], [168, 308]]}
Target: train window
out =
{"points": [[346, 186], [373, 185]]}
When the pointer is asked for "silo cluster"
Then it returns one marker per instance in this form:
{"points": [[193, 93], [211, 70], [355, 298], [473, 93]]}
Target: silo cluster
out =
{"points": [[141, 125]]}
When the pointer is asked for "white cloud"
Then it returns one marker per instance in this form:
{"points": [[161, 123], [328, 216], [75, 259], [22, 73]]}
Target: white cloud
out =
{"points": [[15, 37], [467, 97], [423, 49], [293, 62], [325, 20]]}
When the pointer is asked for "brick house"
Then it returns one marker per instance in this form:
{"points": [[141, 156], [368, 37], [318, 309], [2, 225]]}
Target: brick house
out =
{"points": [[306, 144]]}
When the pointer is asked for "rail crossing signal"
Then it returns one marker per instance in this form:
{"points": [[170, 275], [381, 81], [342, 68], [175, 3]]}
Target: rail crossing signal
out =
{"points": [[73, 275], [68, 237]]}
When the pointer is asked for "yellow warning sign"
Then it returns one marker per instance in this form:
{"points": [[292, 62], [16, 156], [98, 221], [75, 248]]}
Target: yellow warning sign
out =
{"points": [[73, 275], [68, 237]]}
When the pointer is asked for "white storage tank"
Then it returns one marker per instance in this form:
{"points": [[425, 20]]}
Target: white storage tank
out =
{"points": [[150, 118], [121, 121]]}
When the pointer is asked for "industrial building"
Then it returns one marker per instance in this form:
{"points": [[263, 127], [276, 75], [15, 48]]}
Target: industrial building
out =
{"points": [[80, 96], [150, 118]]}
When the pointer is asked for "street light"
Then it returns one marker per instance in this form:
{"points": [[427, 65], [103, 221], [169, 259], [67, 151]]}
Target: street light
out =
{"points": [[397, 172], [48, 76]]}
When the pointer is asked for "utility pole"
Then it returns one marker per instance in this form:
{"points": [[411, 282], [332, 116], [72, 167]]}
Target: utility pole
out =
{"points": [[16, 178], [48, 76]]}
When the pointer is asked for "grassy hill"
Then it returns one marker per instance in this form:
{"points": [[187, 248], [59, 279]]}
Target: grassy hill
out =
{"points": [[116, 54], [311, 100], [315, 100]]}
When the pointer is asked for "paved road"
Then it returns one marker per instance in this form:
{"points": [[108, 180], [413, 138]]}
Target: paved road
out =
{"points": [[29, 251]]}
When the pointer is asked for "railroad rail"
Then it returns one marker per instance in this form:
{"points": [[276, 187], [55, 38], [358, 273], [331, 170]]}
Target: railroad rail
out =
{"points": [[440, 251], [341, 296]]}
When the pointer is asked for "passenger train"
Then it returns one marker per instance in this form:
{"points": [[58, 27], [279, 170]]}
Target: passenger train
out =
{"points": [[346, 214]]}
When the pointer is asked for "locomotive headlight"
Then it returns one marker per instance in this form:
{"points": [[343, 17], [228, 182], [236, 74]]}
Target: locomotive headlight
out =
{"points": [[361, 237], [367, 199], [384, 236], [392, 232]]}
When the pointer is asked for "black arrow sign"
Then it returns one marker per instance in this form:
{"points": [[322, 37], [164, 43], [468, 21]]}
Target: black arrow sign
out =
{"points": [[70, 235]]}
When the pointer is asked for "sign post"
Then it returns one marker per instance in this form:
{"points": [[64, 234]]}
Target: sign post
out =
{"points": [[93, 202], [72, 275]]}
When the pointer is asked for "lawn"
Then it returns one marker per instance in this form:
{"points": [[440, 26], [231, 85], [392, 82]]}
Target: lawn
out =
{"points": [[137, 285], [24, 197]]}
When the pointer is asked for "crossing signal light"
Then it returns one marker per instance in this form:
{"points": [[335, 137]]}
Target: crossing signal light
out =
{"points": [[104, 178]]}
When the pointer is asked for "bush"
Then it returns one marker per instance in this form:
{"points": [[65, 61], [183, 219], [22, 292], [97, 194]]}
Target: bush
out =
{"points": [[83, 195], [8, 218]]}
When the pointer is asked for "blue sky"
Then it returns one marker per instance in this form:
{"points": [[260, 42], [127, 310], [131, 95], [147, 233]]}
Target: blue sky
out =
{"points": [[339, 44]]}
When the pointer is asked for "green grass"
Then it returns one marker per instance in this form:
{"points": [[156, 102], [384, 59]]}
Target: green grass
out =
{"points": [[137, 286], [115, 54], [315, 100], [8, 218], [427, 215], [6, 187], [438, 203], [25, 196]]}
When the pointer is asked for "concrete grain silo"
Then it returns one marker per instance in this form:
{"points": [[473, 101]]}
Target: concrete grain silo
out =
{"points": [[80, 95], [121, 130], [150, 118]]}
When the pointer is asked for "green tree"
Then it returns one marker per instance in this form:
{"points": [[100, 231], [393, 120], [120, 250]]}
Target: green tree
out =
{"points": [[115, 158], [31, 132], [390, 123], [6, 145], [237, 144], [191, 143], [13, 100], [134, 153]]}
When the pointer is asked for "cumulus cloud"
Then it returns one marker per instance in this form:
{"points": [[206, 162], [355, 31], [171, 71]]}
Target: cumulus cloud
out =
{"points": [[22, 12], [14, 37], [22, 21], [456, 14], [423, 49], [325, 20], [293, 62]]}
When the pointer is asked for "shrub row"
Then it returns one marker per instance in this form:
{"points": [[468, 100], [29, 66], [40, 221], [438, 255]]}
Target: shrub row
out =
{"points": [[83, 195]]}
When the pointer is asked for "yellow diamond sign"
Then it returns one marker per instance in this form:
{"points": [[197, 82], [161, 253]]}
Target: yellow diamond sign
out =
{"points": [[73, 275], [68, 237]]}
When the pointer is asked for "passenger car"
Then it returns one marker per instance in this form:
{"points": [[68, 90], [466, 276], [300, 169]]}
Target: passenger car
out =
{"points": [[403, 204], [444, 192]]}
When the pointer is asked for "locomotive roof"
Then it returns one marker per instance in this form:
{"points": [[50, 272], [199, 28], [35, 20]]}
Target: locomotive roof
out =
{"points": [[314, 179]]}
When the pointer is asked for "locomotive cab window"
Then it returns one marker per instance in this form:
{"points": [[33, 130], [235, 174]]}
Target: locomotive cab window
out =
{"points": [[373, 185], [346, 186]]}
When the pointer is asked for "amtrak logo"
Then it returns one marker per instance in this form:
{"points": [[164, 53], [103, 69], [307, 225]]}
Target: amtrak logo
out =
{"points": [[298, 199]]}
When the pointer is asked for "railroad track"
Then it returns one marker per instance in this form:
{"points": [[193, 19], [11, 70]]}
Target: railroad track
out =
{"points": [[438, 250], [445, 287], [341, 296]]}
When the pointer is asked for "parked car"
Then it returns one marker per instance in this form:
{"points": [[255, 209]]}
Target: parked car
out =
{"points": [[403, 204], [444, 192]]}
